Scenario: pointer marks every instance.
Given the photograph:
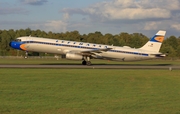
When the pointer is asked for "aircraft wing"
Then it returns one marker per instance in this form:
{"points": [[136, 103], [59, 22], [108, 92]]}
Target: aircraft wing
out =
{"points": [[96, 50], [91, 51]]}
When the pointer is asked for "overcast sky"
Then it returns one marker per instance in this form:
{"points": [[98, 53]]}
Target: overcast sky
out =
{"points": [[86, 16]]}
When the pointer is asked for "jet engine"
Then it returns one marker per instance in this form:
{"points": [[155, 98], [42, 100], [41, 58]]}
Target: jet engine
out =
{"points": [[74, 56]]}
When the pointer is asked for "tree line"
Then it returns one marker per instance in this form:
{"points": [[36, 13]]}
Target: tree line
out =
{"points": [[171, 45]]}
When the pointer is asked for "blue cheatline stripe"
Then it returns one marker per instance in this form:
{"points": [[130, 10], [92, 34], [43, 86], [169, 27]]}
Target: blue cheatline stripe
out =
{"points": [[84, 47]]}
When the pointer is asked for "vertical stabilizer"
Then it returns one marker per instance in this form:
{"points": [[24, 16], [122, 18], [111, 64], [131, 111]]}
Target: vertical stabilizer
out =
{"points": [[154, 44]]}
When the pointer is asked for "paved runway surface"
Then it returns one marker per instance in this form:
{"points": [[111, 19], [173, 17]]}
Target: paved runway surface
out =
{"points": [[168, 67]]}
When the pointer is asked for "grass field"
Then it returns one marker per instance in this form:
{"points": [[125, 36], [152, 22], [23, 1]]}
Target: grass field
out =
{"points": [[89, 91], [54, 61]]}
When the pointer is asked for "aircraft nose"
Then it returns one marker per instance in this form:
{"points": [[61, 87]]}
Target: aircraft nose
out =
{"points": [[12, 44], [15, 45]]}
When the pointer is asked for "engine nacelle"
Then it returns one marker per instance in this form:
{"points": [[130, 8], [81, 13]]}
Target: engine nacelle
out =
{"points": [[74, 56]]}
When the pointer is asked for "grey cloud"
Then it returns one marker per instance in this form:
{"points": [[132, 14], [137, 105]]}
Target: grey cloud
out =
{"points": [[34, 2], [128, 10], [131, 15]]}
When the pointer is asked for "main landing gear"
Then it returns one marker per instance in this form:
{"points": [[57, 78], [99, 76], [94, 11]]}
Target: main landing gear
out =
{"points": [[86, 61]]}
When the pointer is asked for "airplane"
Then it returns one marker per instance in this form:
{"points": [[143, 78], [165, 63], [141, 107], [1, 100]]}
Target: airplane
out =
{"points": [[86, 51]]}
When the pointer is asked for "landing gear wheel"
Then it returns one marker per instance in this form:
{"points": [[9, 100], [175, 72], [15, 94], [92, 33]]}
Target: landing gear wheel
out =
{"points": [[88, 63], [84, 62]]}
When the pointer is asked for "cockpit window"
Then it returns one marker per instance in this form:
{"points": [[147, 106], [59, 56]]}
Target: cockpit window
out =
{"points": [[18, 40]]}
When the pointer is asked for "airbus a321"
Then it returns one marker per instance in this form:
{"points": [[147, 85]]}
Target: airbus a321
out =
{"points": [[86, 51]]}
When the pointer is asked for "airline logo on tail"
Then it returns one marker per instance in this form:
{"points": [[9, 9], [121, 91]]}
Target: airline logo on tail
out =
{"points": [[159, 37]]}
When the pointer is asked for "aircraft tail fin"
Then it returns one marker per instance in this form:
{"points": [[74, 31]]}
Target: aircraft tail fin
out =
{"points": [[154, 44]]}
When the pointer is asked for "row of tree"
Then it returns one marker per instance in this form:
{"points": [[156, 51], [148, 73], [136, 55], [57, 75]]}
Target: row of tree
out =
{"points": [[171, 45]]}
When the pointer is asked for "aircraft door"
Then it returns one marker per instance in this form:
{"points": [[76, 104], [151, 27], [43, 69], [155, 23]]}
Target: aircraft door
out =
{"points": [[30, 43]]}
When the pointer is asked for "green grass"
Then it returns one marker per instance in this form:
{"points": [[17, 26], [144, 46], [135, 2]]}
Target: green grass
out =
{"points": [[89, 91]]}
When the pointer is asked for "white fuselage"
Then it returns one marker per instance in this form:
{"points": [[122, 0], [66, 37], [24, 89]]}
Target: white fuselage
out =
{"points": [[63, 47]]}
